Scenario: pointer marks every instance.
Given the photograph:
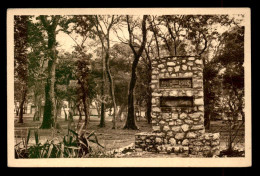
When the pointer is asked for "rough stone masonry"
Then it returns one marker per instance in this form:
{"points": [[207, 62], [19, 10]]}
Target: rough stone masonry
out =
{"points": [[178, 110]]}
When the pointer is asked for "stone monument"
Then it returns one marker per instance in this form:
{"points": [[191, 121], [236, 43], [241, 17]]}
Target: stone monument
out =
{"points": [[178, 110]]}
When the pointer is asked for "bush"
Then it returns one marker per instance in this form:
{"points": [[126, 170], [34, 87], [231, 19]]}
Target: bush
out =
{"points": [[74, 145]]}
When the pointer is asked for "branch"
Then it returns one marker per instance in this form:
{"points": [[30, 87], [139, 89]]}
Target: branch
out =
{"points": [[144, 36], [44, 21], [206, 43], [130, 35], [174, 38]]}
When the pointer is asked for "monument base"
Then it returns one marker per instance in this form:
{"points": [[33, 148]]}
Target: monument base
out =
{"points": [[205, 145]]}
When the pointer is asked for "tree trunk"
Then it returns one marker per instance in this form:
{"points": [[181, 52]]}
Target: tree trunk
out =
{"points": [[20, 119], [79, 110], [131, 121], [149, 108], [102, 112], [149, 99], [85, 108], [40, 108], [80, 115], [17, 111], [111, 83], [50, 108], [206, 100], [122, 108]]}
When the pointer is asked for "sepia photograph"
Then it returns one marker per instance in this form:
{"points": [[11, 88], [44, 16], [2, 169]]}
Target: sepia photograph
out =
{"points": [[129, 87]]}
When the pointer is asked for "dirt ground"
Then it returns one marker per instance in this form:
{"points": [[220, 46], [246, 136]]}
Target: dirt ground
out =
{"points": [[109, 138]]}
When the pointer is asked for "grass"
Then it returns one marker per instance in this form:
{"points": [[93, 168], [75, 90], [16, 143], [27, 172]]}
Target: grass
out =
{"points": [[109, 138]]}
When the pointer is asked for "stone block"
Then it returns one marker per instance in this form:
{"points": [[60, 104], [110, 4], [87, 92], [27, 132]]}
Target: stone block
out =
{"points": [[197, 148], [185, 127], [197, 127], [183, 115], [156, 128], [198, 101], [148, 141], [161, 66], [175, 116], [215, 148], [155, 72], [201, 108], [179, 136], [190, 63], [184, 67], [154, 77], [185, 142], [166, 128], [169, 149], [189, 122], [165, 115], [154, 81], [162, 122], [206, 148], [188, 93], [155, 94], [171, 123], [195, 115], [154, 62], [171, 63], [198, 61], [163, 70], [206, 136], [191, 135], [176, 149], [170, 69], [172, 141], [185, 148], [188, 74], [214, 143], [161, 75], [158, 140], [197, 143], [153, 86], [200, 93], [177, 68], [173, 93], [156, 109], [179, 122], [169, 134], [216, 136]]}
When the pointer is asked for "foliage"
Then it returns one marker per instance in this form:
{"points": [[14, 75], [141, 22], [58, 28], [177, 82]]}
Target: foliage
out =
{"points": [[228, 84], [74, 145], [20, 61]]}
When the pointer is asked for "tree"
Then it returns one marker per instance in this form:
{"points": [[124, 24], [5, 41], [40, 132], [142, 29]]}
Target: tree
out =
{"points": [[83, 25], [21, 61], [103, 35], [231, 58], [64, 89], [201, 34], [130, 121], [121, 56], [37, 58], [50, 24]]}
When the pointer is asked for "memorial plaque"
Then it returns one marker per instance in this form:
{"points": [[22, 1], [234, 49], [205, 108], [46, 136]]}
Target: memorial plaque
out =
{"points": [[166, 102], [175, 83]]}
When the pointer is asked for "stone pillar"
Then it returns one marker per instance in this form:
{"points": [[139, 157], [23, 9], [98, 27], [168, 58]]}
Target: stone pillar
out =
{"points": [[178, 109]]}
